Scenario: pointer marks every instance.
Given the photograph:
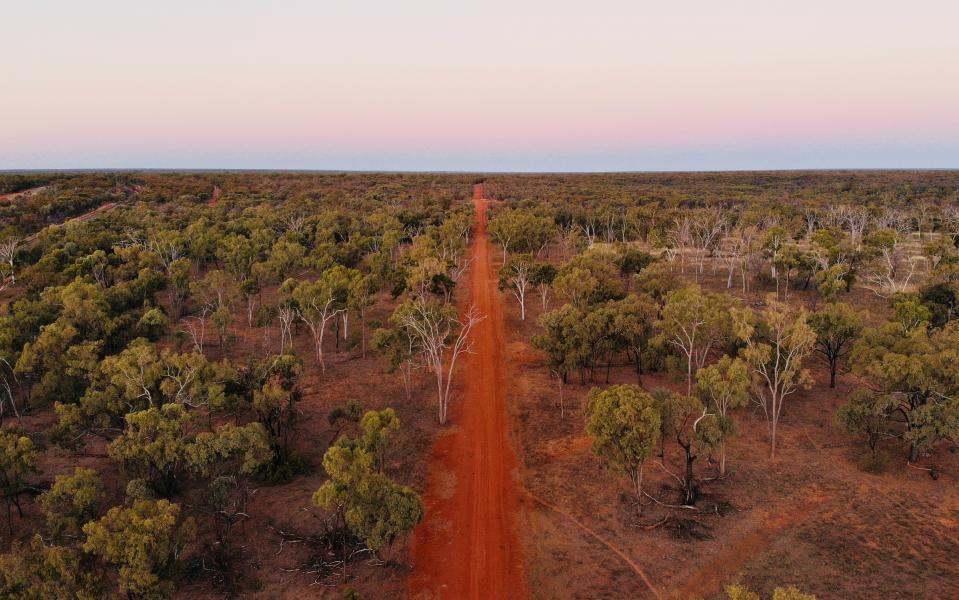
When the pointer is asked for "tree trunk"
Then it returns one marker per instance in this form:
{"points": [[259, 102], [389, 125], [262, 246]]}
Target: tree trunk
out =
{"points": [[688, 480], [722, 458], [319, 346], [562, 405], [439, 390], [772, 439]]}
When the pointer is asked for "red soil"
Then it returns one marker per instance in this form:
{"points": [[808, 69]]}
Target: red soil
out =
{"points": [[467, 546], [215, 197]]}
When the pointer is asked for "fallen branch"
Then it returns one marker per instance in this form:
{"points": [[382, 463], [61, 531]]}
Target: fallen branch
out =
{"points": [[686, 506]]}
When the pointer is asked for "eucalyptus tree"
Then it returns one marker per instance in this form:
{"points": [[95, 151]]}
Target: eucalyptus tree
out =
{"points": [[320, 301], [724, 385], [624, 424], [516, 276], [837, 326], [777, 341], [695, 322], [440, 336], [909, 379], [698, 433], [18, 461]]}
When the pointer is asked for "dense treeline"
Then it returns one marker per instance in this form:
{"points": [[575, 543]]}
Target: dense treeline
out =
{"points": [[168, 330]]}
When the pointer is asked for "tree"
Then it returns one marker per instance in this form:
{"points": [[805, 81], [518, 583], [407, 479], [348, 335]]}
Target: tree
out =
{"points": [[360, 297], [37, 571], [250, 291], [634, 321], [440, 337], [516, 276], [867, 414], [542, 276], [238, 253], [144, 541], [8, 254], [370, 504], [399, 349], [320, 301], [591, 277], [910, 311], [216, 293], [832, 281], [836, 327], [632, 261], [695, 322], [139, 378], [521, 230], [697, 431], [72, 501], [271, 389], [561, 341], [179, 276], [624, 423], [774, 351], [18, 460], [159, 445], [656, 280], [378, 427], [887, 274], [911, 378], [577, 286], [725, 385]]}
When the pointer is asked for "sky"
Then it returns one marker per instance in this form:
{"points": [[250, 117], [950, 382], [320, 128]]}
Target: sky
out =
{"points": [[456, 85]]}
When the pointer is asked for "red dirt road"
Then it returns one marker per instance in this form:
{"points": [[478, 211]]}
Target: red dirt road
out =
{"points": [[467, 546]]}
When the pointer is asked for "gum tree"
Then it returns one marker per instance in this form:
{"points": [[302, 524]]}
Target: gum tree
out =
{"points": [[624, 424], [836, 327], [777, 343], [724, 385], [441, 337]]}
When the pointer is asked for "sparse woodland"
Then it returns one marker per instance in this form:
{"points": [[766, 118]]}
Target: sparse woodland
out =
{"points": [[690, 318], [220, 383]]}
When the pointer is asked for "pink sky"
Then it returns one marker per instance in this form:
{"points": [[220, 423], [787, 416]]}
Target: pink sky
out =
{"points": [[493, 85]]}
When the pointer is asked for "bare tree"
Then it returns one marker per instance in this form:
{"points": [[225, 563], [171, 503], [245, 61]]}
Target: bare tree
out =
{"points": [[588, 228], [923, 212], [286, 313], [890, 273], [8, 253], [679, 237], [856, 221], [732, 256], [440, 337], [811, 216], [515, 275], [196, 327], [707, 229]]}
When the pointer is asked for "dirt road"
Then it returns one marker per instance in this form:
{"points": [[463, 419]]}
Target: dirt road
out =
{"points": [[467, 546]]}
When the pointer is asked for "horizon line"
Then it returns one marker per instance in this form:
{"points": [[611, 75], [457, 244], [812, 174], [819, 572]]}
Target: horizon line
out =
{"points": [[55, 170]]}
